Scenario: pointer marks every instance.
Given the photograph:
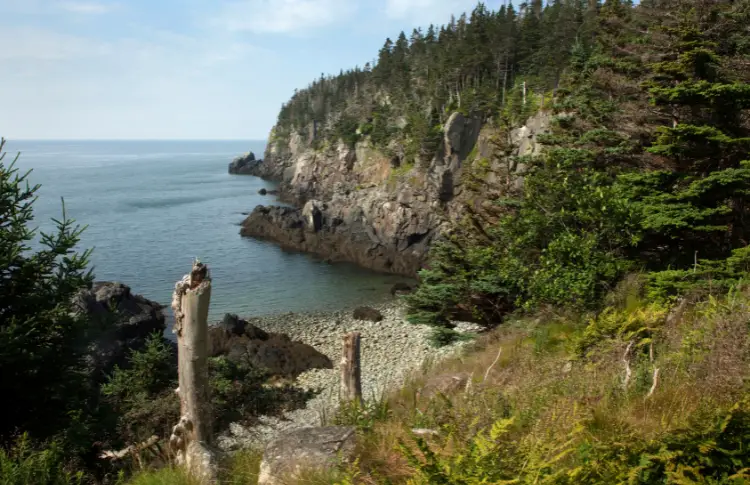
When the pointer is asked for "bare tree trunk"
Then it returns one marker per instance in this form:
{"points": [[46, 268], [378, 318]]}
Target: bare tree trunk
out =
{"points": [[191, 437], [351, 376]]}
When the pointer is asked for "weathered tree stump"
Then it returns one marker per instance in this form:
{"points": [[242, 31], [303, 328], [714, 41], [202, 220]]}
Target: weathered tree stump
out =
{"points": [[191, 437], [351, 375]]}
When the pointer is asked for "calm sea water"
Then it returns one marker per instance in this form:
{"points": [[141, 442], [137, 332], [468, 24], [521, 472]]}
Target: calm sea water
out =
{"points": [[152, 206]]}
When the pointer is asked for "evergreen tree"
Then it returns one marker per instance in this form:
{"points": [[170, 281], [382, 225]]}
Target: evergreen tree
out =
{"points": [[698, 204], [41, 340]]}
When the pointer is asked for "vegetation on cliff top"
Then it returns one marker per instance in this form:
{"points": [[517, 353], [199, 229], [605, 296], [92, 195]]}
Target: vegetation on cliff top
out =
{"points": [[468, 65], [646, 169]]}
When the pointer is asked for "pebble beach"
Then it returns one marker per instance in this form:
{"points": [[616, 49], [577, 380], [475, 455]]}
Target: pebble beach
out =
{"points": [[391, 350]]}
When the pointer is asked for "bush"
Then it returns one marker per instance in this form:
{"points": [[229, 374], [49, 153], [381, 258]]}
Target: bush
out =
{"points": [[164, 476], [24, 465], [142, 394], [441, 337]]}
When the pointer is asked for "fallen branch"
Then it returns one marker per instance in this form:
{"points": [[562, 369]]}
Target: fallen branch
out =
{"points": [[132, 449], [655, 380], [494, 362], [626, 361]]}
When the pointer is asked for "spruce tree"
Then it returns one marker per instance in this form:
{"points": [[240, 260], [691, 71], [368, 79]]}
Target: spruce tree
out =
{"points": [[697, 204], [41, 339]]}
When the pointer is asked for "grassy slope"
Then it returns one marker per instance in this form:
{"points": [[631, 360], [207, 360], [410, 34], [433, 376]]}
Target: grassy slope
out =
{"points": [[553, 408]]}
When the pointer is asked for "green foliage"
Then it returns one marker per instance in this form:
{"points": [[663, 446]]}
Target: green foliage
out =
{"points": [[142, 394], [475, 65], [163, 476], [345, 130], [239, 391], [483, 461], [441, 336], [363, 415], [41, 339], [637, 325], [590, 212], [22, 464]]}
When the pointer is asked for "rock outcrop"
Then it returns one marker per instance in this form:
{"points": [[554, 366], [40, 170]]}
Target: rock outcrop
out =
{"points": [[245, 165], [277, 353], [306, 449], [120, 322], [377, 207], [335, 236]]}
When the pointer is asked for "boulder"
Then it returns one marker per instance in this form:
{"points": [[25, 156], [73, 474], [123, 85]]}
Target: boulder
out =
{"points": [[400, 289], [263, 191], [367, 313], [306, 449], [241, 341], [245, 165], [120, 322]]}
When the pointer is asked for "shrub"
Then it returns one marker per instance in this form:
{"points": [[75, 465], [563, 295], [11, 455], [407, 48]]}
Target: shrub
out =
{"points": [[441, 336], [142, 394], [24, 465]]}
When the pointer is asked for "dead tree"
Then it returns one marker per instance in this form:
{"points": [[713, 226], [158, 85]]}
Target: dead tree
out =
{"points": [[351, 375], [191, 437]]}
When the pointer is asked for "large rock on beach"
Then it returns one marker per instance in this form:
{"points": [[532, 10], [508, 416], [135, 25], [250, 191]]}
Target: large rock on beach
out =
{"points": [[241, 341], [306, 449], [121, 322], [367, 313]]}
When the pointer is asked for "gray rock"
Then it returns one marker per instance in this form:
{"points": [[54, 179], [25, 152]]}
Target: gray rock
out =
{"points": [[120, 321], [241, 341], [367, 314], [304, 449], [245, 165], [400, 289]]}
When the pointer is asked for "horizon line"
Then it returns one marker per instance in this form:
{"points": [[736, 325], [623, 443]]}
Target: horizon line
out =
{"points": [[135, 139]]}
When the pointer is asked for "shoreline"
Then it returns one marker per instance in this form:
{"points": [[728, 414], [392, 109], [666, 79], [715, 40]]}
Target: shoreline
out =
{"points": [[391, 351]]}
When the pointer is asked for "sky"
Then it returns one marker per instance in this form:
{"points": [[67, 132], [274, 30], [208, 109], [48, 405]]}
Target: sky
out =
{"points": [[182, 69]]}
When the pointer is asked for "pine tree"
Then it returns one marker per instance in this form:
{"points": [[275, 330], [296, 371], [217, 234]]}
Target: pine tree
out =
{"points": [[698, 204], [41, 340]]}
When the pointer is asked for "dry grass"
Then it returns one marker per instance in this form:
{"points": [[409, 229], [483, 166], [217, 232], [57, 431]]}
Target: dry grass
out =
{"points": [[703, 357], [534, 372]]}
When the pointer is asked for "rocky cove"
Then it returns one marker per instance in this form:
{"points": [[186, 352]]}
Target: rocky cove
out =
{"points": [[298, 349], [377, 206], [392, 350]]}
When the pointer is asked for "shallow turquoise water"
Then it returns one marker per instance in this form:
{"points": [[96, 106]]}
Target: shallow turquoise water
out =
{"points": [[152, 206]]}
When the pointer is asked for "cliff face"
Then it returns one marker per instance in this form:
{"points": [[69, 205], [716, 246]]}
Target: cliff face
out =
{"points": [[378, 207]]}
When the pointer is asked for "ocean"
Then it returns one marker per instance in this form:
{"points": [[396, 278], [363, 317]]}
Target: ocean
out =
{"points": [[151, 207]]}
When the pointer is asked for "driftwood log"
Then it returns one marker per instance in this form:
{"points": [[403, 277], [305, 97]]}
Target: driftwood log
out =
{"points": [[191, 437]]}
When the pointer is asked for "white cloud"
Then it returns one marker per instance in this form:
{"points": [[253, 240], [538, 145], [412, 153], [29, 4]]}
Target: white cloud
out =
{"points": [[282, 16], [36, 44], [427, 11], [51, 7], [150, 84], [87, 8]]}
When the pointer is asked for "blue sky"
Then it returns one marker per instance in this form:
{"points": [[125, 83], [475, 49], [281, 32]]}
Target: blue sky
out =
{"points": [[181, 69]]}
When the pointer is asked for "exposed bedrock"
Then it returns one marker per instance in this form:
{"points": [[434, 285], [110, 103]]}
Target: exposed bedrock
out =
{"points": [[375, 206]]}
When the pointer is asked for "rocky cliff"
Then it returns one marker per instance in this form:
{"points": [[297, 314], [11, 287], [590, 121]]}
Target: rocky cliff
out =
{"points": [[377, 206]]}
